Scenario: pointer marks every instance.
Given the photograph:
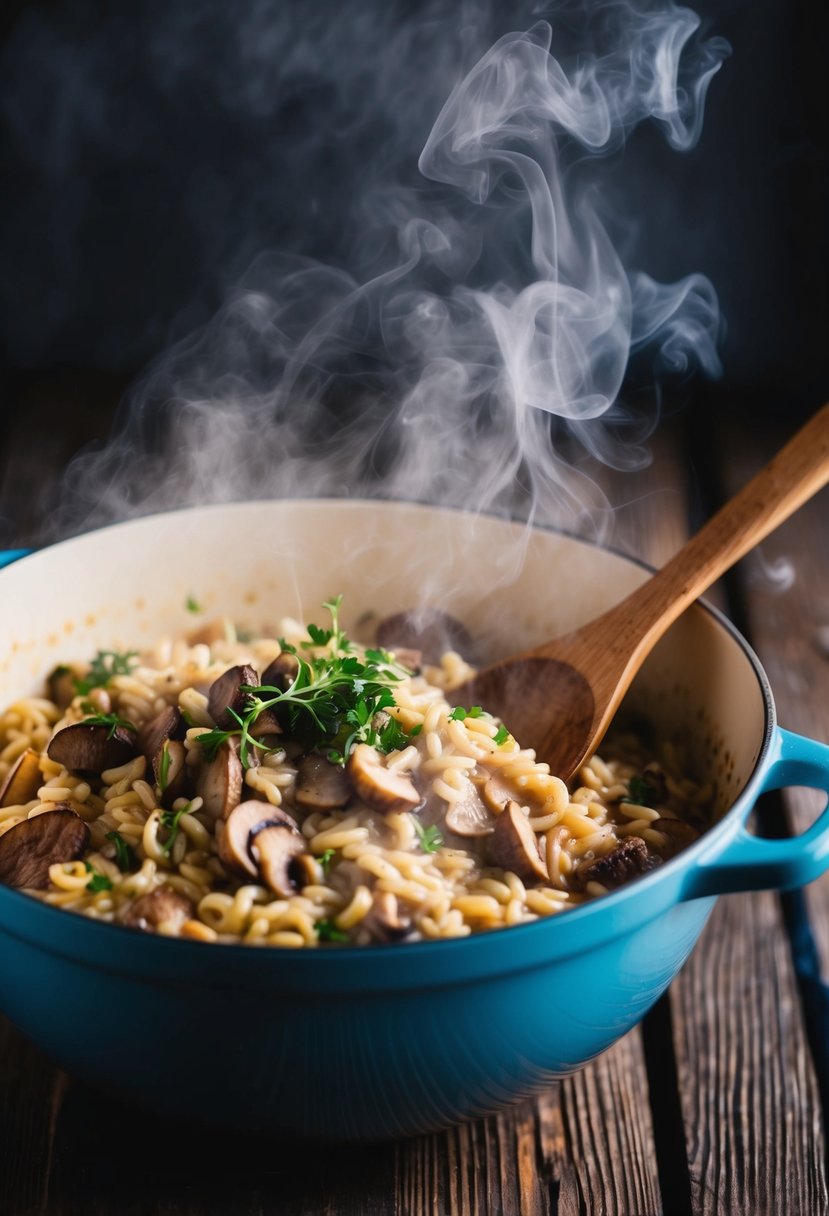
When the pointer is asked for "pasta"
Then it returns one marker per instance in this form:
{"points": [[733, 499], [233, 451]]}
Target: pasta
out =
{"points": [[441, 824]]}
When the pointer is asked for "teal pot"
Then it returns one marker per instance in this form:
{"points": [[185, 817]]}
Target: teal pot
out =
{"points": [[387, 1041]]}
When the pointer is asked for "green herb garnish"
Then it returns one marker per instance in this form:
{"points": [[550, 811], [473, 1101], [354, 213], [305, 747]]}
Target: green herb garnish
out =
{"points": [[105, 665], [328, 932], [172, 822], [500, 737], [124, 854], [640, 793], [325, 860], [331, 703], [192, 604], [430, 838], [164, 766], [110, 720], [98, 881], [459, 714]]}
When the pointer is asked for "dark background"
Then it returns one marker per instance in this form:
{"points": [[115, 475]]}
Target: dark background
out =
{"points": [[152, 150]]}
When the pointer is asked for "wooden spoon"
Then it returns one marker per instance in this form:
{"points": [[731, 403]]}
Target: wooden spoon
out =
{"points": [[559, 698]]}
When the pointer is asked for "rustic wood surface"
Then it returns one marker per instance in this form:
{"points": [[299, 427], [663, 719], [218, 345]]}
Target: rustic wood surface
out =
{"points": [[713, 1105]]}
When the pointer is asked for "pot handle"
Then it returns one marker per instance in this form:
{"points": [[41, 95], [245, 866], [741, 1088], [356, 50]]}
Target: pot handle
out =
{"points": [[7, 556], [744, 862]]}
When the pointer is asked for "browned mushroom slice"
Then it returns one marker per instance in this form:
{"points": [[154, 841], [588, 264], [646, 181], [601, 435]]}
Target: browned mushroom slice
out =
{"points": [[85, 748], [275, 848], [628, 860], [281, 672], [379, 787], [468, 816], [383, 919], [244, 822], [321, 785], [266, 727], [513, 846], [171, 773], [29, 848], [219, 783], [226, 695], [22, 781], [62, 684], [306, 870], [428, 630], [162, 908], [498, 792], [169, 724], [679, 833]]}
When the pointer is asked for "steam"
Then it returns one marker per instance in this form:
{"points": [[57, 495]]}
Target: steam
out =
{"points": [[480, 357]]}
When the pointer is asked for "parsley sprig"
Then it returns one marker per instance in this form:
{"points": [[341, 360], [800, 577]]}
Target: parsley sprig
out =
{"points": [[334, 702], [97, 881], [171, 820], [125, 857], [105, 665], [430, 838]]}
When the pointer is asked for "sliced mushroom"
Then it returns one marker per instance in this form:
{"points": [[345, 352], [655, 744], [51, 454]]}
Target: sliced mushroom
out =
{"points": [[29, 848], [85, 748], [468, 816], [306, 871], [628, 860], [169, 724], [379, 787], [497, 793], [161, 910], [172, 777], [22, 781], [219, 782], [321, 785], [513, 846], [428, 630], [266, 727], [62, 684], [275, 849], [383, 919], [281, 672], [226, 694], [244, 823], [679, 833]]}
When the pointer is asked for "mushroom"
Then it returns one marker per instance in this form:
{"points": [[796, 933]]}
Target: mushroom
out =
{"points": [[497, 793], [226, 694], [306, 870], [265, 725], [219, 782], [62, 684], [679, 833], [276, 848], [23, 780], [383, 919], [92, 748], [281, 672], [160, 910], [468, 816], [243, 823], [169, 724], [427, 630], [160, 741], [628, 860], [379, 787], [321, 785], [513, 846], [29, 848]]}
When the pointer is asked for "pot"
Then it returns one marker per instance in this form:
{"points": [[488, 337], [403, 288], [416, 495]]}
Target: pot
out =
{"points": [[386, 1041]]}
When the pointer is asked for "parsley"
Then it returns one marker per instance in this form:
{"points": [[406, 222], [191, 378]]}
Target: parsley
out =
{"points": [[640, 793], [500, 737], [105, 665], [98, 881], [124, 853], [192, 604], [459, 714], [328, 932], [172, 822], [330, 704], [164, 766], [415, 730], [110, 720], [430, 839], [325, 860]]}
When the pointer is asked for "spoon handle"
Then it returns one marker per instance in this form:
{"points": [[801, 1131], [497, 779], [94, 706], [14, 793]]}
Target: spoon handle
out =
{"points": [[797, 472]]}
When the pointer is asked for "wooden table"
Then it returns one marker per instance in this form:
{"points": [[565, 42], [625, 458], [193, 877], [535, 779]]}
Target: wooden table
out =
{"points": [[714, 1104]]}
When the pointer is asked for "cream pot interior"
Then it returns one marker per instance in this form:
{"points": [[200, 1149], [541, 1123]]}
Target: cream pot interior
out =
{"points": [[122, 587]]}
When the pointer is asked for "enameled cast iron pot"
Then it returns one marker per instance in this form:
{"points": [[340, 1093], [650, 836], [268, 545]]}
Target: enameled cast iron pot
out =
{"points": [[392, 1040]]}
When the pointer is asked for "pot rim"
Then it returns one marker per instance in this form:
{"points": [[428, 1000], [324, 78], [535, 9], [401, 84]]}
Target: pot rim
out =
{"points": [[416, 964]]}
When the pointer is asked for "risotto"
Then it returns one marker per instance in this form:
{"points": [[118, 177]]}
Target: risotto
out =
{"points": [[301, 789]]}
